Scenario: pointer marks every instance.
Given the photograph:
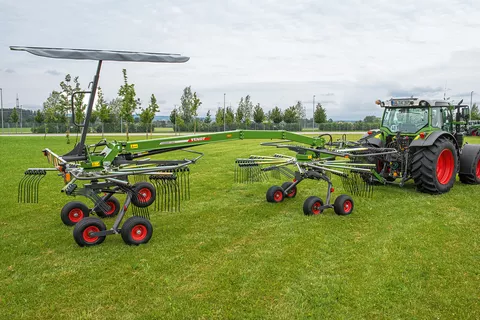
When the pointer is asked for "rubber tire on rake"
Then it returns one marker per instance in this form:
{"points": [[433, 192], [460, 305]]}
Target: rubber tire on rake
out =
{"points": [[144, 194], [84, 227], [275, 194], [136, 230], [343, 205], [114, 205], [312, 205], [73, 212], [293, 192]]}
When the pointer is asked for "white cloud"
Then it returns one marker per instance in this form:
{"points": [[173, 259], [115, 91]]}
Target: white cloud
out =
{"points": [[276, 51]]}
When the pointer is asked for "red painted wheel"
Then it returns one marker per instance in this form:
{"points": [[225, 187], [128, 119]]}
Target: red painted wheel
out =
{"points": [[144, 194], [292, 192], [275, 194], [478, 169], [73, 212], [136, 230], [445, 166], [313, 206], [343, 205], [114, 208], [82, 233]]}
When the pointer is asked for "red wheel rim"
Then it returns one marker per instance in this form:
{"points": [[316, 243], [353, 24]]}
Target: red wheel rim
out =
{"points": [[278, 196], [75, 215], [316, 208], [144, 195], [86, 234], [445, 164], [112, 206], [478, 169], [292, 192], [347, 206], [139, 232]]}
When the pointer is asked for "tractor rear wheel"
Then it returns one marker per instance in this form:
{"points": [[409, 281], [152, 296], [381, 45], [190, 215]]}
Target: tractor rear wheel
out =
{"points": [[275, 194], [73, 212], [292, 192], [434, 168], [114, 205], [82, 233]]}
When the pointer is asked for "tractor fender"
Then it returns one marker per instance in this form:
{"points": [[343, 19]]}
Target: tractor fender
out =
{"points": [[371, 139], [468, 156], [430, 140]]}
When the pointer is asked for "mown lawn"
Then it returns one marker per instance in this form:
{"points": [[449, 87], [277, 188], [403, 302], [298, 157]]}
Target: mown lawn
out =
{"points": [[230, 254]]}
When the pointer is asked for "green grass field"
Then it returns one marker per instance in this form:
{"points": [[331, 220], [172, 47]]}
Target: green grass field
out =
{"points": [[231, 255]]}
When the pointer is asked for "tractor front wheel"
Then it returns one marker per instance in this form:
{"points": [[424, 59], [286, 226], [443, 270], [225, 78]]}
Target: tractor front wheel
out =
{"points": [[82, 233], [292, 192], [312, 206], [136, 230], [434, 168], [275, 194], [73, 212]]}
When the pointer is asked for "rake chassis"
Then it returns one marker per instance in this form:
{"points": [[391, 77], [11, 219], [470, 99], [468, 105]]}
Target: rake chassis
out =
{"points": [[107, 168]]}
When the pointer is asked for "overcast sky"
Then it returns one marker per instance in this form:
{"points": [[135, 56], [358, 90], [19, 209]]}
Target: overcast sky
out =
{"points": [[348, 53]]}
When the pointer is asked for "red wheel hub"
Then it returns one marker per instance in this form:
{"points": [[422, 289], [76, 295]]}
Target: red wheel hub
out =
{"points": [[144, 195], [139, 232], [347, 206], [478, 169], [86, 234], [292, 192], [278, 196], [316, 208], [112, 206], [445, 166], [75, 215]]}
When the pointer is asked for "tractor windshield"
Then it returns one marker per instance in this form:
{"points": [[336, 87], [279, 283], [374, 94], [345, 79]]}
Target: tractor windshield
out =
{"points": [[405, 119]]}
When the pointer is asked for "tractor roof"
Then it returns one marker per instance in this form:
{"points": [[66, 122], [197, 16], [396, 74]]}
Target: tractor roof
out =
{"points": [[88, 54], [414, 102]]}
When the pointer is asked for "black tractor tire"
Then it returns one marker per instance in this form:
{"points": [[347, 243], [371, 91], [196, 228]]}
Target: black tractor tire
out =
{"points": [[114, 205], [73, 212], [82, 230], [312, 205], [434, 168], [275, 194], [144, 194], [473, 163], [343, 205], [292, 192], [136, 230]]}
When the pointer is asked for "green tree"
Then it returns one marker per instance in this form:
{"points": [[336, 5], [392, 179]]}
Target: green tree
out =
{"points": [[14, 118], [219, 117], [129, 101], [474, 113], [320, 115], [196, 103], [290, 115], [154, 108], [64, 104], [39, 117], [79, 106], [186, 104], [50, 109], [276, 115], [145, 119], [247, 110], [229, 116], [102, 109], [240, 114], [258, 114], [371, 119], [208, 117]]}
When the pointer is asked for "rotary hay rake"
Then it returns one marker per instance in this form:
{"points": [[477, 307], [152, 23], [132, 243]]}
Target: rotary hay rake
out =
{"points": [[104, 170]]}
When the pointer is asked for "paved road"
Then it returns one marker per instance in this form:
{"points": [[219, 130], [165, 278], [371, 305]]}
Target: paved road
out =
{"points": [[155, 134]]}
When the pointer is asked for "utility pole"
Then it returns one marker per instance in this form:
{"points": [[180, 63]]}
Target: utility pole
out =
{"points": [[1, 103], [224, 112], [313, 114], [471, 99]]}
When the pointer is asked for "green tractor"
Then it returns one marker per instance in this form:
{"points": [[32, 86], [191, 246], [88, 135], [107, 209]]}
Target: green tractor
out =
{"points": [[429, 138]]}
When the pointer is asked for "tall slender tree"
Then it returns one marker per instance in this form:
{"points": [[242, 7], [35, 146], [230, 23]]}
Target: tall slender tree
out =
{"points": [[129, 101]]}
